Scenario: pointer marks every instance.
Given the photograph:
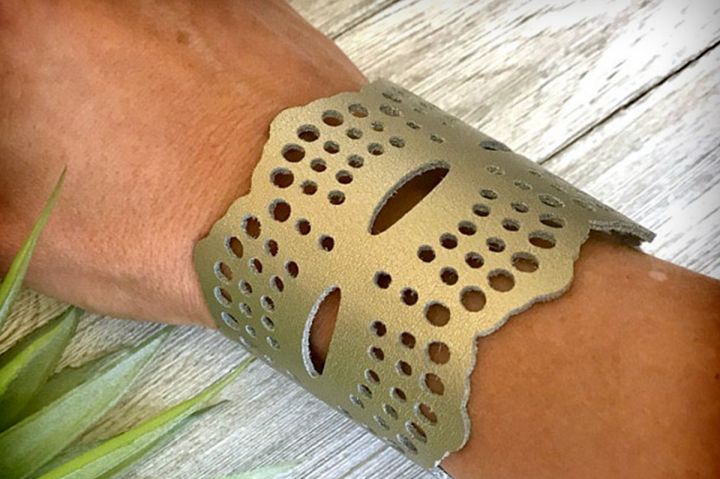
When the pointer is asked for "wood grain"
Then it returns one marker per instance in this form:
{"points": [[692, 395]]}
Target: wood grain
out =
{"points": [[619, 97], [334, 18]]}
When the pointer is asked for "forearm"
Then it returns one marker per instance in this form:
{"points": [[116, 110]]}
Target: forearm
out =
{"points": [[616, 377], [619, 377]]}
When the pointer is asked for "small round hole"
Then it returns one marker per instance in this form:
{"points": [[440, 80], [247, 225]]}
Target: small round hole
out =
{"points": [[271, 247], [474, 260], [354, 133], [251, 225], [250, 331], [267, 303], [542, 239], [522, 185], [397, 142], [525, 262], [481, 210], [355, 161], [230, 320], [434, 384], [550, 200], [425, 412], [510, 224], [382, 279], [223, 296], [246, 310], [437, 138], [344, 177], [376, 149], [378, 328], [448, 241], [277, 284], [501, 280], [281, 177], [449, 276], [381, 422], [255, 265], [407, 340], [376, 353], [267, 323], [496, 245], [234, 246], [403, 368], [407, 443], [309, 187], [493, 145], [336, 197], [280, 210], [223, 271], [389, 110], [332, 118], [364, 391], [308, 133], [413, 125], [390, 411], [327, 243], [488, 194], [409, 296], [398, 394], [426, 253], [416, 431], [520, 207], [467, 228], [303, 226], [356, 401], [377, 126], [372, 376], [272, 342], [438, 352], [331, 147], [437, 314], [553, 221], [245, 288], [292, 268], [318, 165], [495, 170], [473, 299], [293, 153], [358, 110]]}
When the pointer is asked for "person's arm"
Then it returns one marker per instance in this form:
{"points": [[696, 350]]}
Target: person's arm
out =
{"points": [[160, 113]]}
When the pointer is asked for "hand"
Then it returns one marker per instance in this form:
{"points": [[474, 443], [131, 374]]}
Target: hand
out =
{"points": [[160, 111]]}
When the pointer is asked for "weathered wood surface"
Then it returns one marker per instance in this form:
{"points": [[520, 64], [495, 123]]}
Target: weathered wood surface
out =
{"points": [[621, 98]]}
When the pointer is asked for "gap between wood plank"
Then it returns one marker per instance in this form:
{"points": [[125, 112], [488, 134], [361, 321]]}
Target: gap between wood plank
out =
{"points": [[634, 99]]}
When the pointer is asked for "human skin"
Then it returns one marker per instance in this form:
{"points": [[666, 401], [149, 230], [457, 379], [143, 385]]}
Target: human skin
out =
{"points": [[160, 110]]}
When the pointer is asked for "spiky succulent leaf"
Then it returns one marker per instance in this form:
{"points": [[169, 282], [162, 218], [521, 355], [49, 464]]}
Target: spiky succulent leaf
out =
{"points": [[38, 438], [10, 286], [25, 367]]}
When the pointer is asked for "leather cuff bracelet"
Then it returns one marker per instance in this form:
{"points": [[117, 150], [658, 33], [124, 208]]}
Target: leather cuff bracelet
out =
{"points": [[416, 233]]}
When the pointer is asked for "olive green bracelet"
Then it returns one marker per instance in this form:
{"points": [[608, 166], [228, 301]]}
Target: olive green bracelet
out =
{"points": [[426, 232]]}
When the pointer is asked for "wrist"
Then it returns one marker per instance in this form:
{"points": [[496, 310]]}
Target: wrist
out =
{"points": [[235, 166]]}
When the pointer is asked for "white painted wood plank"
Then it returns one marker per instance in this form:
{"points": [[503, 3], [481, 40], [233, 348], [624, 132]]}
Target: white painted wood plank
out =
{"points": [[659, 162], [334, 17], [533, 74], [497, 65]]}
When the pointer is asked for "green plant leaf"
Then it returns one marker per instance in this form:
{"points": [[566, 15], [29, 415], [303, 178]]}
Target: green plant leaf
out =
{"points": [[10, 286], [123, 449], [38, 438], [74, 452], [25, 367], [269, 472], [70, 377]]}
